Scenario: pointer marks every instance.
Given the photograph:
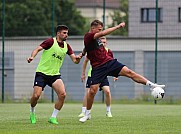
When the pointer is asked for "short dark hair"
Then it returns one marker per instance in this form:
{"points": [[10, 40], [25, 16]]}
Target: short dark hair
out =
{"points": [[96, 23], [61, 27]]}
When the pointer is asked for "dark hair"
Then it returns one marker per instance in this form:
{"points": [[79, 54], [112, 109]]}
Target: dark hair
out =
{"points": [[96, 23], [61, 27]]}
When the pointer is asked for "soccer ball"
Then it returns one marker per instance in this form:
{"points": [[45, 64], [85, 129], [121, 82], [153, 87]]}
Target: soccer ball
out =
{"points": [[158, 93]]}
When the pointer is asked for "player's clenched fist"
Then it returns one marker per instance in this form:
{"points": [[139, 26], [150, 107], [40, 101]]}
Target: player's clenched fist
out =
{"points": [[29, 59], [122, 24]]}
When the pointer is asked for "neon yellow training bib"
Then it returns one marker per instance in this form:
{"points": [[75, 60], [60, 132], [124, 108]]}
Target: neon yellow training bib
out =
{"points": [[52, 59]]}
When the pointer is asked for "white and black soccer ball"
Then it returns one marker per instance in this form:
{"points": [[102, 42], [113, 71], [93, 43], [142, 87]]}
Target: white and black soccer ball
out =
{"points": [[158, 93]]}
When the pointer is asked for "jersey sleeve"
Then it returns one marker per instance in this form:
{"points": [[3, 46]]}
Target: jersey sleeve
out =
{"points": [[47, 43], [70, 51]]}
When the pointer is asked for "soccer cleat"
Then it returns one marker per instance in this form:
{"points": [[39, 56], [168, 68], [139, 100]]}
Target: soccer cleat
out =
{"points": [[108, 114], [85, 118], [53, 120], [32, 118], [81, 115]]}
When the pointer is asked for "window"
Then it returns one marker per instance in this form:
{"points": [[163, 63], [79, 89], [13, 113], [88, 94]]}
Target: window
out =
{"points": [[149, 15], [179, 14]]}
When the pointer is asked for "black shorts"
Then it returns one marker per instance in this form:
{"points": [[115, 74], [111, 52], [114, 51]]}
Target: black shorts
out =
{"points": [[105, 82], [42, 80], [111, 68]]}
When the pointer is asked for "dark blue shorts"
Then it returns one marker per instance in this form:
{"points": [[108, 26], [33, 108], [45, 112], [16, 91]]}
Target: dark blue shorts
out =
{"points": [[105, 82], [111, 68], [42, 80]]}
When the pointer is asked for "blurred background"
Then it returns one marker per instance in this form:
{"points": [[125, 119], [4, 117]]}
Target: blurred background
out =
{"points": [[150, 44]]}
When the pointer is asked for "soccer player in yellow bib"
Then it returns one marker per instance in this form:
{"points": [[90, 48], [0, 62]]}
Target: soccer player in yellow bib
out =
{"points": [[48, 70], [103, 86]]}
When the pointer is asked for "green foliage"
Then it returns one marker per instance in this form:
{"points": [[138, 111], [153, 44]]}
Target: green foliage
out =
{"points": [[121, 16], [34, 17], [67, 14]]}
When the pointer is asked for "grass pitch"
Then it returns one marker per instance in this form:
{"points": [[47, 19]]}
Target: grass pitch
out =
{"points": [[127, 119]]}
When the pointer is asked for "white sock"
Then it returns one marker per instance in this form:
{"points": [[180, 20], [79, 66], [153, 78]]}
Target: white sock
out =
{"points": [[32, 109], [55, 112], [83, 109], [149, 83], [108, 109], [87, 112]]}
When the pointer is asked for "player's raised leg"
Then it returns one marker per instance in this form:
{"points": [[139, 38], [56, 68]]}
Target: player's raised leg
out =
{"points": [[125, 71]]}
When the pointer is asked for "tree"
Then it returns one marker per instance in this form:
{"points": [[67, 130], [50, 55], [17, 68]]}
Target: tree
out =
{"points": [[67, 14], [34, 18], [121, 16], [25, 18]]}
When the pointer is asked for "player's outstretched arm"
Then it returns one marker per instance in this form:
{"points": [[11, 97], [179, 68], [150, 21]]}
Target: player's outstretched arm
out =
{"points": [[109, 30], [34, 53]]}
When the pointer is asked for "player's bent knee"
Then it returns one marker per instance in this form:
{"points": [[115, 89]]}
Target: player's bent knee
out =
{"points": [[107, 92], [62, 95], [36, 96], [92, 92]]}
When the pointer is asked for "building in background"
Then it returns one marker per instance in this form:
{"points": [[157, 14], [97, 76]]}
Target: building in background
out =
{"points": [[142, 18], [93, 9]]}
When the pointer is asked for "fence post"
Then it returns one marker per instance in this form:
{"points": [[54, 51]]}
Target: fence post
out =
{"points": [[156, 42], [3, 35]]}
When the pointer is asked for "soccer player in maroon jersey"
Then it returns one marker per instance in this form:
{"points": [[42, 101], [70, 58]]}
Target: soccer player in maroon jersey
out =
{"points": [[104, 86], [104, 65]]}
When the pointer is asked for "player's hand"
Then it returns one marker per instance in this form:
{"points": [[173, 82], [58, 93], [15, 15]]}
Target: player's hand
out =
{"points": [[79, 56], [30, 59], [82, 78], [115, 78], [121, 25]]}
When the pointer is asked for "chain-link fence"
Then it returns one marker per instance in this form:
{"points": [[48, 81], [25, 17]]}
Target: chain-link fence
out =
{"points": [[150, 44]]}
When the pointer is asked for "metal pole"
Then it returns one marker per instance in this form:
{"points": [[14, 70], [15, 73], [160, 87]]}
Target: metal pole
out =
{"points": [[52, 36], [156, 42], [3, 35], [52, 18], [104, 10]]}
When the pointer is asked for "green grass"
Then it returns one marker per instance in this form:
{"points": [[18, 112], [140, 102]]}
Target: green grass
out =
{"points": [[127, 119]]}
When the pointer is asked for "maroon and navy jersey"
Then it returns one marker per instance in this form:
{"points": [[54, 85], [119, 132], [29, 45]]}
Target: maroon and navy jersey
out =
{"points": [[49, 42], [96, 52]]}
